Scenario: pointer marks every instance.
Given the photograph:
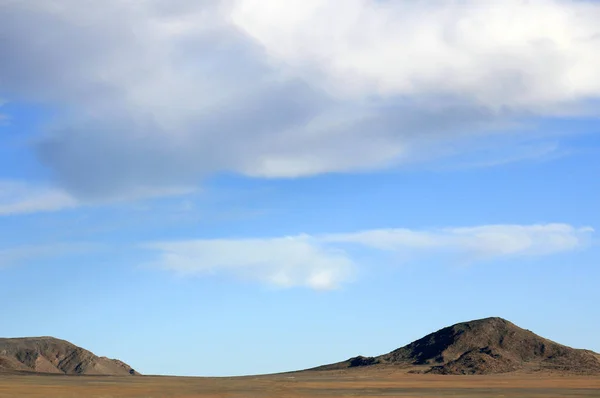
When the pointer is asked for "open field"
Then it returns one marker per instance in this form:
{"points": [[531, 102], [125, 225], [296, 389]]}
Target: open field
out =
{"points": [[309, 384]]}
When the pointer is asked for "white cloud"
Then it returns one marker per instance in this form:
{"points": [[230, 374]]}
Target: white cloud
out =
{"points": [[284, 262], [512, 53], [158, 94], [478, 243], [323, 261], [24, 198], [21, 197]]}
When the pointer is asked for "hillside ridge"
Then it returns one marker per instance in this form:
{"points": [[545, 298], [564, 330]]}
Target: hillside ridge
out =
{"points": [[50, 355], [483, 346]]}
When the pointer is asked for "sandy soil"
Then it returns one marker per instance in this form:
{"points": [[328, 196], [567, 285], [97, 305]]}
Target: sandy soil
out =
{"points": [[323, 385]]}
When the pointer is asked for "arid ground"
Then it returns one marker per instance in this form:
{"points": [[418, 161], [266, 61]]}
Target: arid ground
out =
{"points": [[309, 384]]}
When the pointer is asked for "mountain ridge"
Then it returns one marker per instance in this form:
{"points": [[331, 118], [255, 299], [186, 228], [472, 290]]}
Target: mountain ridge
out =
{"points": [[50, 355], [483, 346]]}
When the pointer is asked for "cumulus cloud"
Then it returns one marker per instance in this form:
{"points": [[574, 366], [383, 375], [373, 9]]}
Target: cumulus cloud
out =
{"points": [[515, 53], [159, 93], [326, 262]]}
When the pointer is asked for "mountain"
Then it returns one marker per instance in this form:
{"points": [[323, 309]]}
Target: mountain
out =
{"points": [[485, 346], [54, 356]]}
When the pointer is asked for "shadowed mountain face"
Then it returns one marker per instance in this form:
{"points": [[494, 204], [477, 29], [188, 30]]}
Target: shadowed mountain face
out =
{"points": [[54, 356], [485, 346]]}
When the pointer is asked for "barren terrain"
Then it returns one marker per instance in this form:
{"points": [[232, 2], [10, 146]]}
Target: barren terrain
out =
{"points": [[345, 383]]}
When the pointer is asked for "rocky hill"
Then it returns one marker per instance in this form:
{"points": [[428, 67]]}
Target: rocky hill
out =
{"points": [[485, 346], [54, 356]]}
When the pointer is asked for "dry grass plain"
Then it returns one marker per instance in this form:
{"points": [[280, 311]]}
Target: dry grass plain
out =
{"points": [[307, 384]]}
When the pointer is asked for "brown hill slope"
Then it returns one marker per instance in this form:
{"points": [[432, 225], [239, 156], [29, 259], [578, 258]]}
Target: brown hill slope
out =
{"points": [[50, 355], [485, 346]]}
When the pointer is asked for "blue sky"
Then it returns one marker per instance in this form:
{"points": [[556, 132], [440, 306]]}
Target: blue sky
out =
{"points": [[211, 188]]}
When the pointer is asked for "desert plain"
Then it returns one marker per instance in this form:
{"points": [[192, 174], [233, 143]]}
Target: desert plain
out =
{"points": [[325, 384]]}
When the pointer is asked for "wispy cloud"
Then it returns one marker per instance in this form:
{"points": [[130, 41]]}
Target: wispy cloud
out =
{"points": [[3, 116], [165, 93], [23, 254], [20, 197], [285, 262], [487, 242], [323, 261], [24, 198], [494, 154]]}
